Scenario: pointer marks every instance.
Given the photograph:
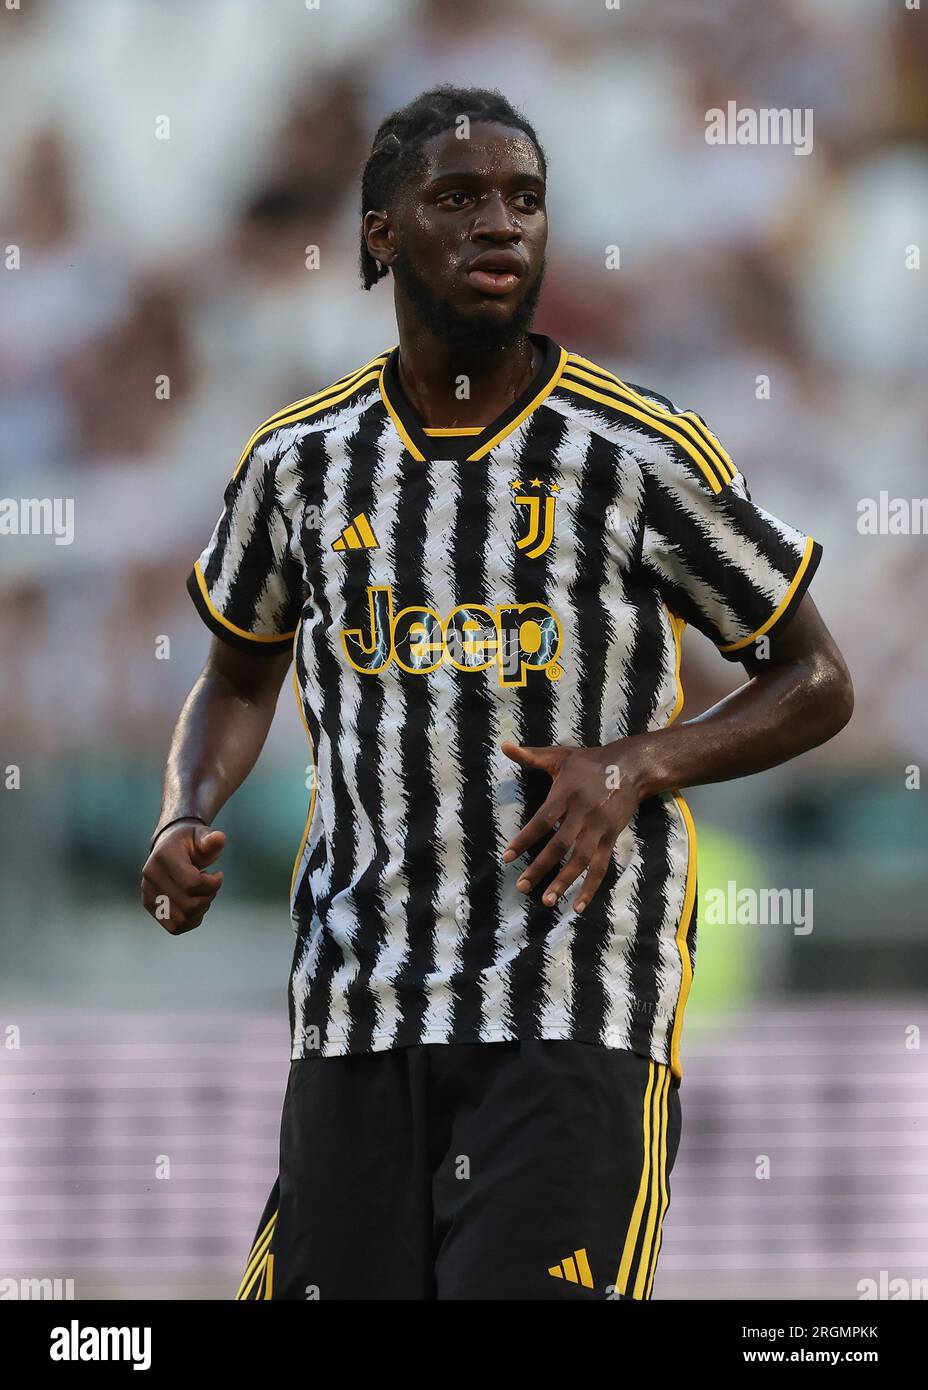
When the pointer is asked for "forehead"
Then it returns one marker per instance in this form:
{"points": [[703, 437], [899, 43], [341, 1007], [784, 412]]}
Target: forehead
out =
{"points": [[488, 148]]}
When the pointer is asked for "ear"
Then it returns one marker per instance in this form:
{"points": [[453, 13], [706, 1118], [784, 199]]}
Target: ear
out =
{"points": [[380, 237]]}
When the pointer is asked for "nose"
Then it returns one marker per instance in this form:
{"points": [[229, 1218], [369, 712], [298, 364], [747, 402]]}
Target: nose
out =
{"points": [[495, 223]]}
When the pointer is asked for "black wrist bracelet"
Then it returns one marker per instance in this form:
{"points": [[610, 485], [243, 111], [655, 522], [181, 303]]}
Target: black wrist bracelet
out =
{"points": [[176, 821]]}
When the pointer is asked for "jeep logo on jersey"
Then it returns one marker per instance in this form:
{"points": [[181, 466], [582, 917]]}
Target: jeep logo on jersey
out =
{"points": [[514, 637], [540, 531]]}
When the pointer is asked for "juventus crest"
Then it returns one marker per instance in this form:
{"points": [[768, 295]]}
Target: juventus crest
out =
{"points": [[539, 506]]}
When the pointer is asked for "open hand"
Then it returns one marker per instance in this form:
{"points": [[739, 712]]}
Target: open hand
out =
{"points": [[593, 796]]}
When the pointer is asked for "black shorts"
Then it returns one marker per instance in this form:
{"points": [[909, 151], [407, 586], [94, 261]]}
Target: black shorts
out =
{"points": [[515, 1170]]}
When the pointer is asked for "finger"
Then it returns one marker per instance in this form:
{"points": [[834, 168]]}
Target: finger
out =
{"points": [[198, 885], [207, 846], [579, 862], [194, 918], [182, 879], [168, 903], [618, 819], [518, 752], [548, 758], [183, 917], [182, 925], [594, 876], [210, 884], [177, 909], [590, 856], [552, 809], [553, 854], [169, 865], [158, 894]]}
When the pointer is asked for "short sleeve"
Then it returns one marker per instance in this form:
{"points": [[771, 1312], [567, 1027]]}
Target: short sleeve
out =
{"points": [[719, 561], [246, 585]]}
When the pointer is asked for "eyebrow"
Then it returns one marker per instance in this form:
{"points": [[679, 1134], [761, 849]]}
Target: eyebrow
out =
{"points": [[471, 175]]}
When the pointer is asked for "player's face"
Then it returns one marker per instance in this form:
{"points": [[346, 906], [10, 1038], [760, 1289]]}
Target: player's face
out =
{"points": [[471, 231]]}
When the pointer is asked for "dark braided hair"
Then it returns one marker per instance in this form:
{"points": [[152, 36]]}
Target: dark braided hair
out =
{"points": [[396, 150]]}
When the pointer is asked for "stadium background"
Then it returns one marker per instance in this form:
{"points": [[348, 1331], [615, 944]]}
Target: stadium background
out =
{"points": [[140, 1076]]}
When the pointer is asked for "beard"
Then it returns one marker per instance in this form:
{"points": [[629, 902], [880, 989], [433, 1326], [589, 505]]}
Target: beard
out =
{"points": [[466, 332]]}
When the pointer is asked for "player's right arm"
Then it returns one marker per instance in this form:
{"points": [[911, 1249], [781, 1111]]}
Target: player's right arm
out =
{"points": [[217, 739], [247, 586]]}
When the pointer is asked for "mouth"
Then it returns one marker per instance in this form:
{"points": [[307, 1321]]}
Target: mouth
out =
{"points": [[496, 273]]}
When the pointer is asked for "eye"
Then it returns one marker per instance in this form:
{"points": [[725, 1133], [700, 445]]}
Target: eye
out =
{"points": [[530, 201], [455, 197]]}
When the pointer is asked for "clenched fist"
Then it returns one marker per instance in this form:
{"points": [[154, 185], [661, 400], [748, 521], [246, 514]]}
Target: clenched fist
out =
{"points": [[176, 890]]}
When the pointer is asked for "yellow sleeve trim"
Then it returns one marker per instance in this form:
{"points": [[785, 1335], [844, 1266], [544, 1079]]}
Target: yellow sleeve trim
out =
{"points": [[616, 403], [689, 897], [677, 626], [686, 418], [239, 631], [712, 443], [781, 608], [317, 402]]}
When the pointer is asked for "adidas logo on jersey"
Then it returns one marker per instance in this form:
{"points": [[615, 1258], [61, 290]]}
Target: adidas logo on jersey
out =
{"points": [[515, 637], [359, 535], [575, 1269]]}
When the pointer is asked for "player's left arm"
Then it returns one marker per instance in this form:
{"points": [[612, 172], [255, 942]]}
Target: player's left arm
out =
{"points": [[721, 563], [799, 695]]}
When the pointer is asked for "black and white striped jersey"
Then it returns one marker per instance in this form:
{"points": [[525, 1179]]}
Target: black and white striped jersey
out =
{"points": [[444, 591]]}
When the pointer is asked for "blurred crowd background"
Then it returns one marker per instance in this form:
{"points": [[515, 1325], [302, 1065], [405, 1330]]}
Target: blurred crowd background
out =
{"points": [[144, 259]]}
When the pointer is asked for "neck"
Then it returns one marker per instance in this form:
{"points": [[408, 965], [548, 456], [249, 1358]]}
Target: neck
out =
{"points": [[431, 369]]}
